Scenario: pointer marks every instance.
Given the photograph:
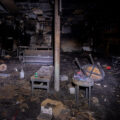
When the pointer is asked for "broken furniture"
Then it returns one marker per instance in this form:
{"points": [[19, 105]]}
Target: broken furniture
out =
{"points": [[81, 79], [94, 71], [43, 78], [87, 83]]}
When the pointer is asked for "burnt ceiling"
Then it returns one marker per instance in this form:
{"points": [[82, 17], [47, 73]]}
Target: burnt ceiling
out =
{"points": [[78, 10], [85, 20]]}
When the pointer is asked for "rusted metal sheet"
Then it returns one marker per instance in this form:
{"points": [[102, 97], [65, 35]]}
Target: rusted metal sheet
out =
{"points": [[57, 48]]}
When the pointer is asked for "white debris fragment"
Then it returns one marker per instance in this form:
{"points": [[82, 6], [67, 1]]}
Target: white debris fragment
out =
{"points": [[105, 65], [95, 100], [98, 84], [37, 11], [72, 90], [105, 100], [105, 86], [86, 48], [64, 78], [53, 107], [117, 95], [17, 102], [46, 110], [16, 69], [22, 74]]}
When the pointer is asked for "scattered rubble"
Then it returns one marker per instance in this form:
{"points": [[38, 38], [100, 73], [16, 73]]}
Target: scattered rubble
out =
{"points": [[7, 92], [34, 99], [105, 65], [43, 116], [46, 110], [23, 107], [105, 100], [20, 95], [104, 86], [98, 84], [20, 99], [84, 115], [25, 85], [37, 11], [71, 89], [56, 107], [64, 78], [95, 100]]}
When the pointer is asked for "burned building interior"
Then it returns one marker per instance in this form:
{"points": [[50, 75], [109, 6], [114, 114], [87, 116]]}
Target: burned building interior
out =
{"points": [[59, 60]]}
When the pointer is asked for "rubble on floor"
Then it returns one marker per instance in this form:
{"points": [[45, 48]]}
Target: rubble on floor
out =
{"points": [[71, 89], [63, 77], [95, 100], [17, 101], [7, 92], [55, 107]]}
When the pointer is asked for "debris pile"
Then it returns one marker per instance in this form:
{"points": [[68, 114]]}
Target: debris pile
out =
{"points": [[55, 108]]}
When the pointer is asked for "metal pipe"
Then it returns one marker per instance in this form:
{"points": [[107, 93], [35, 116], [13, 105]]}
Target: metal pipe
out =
{"points": [[60, 7], [57, 48], [78, 63], [91, 59], [89, 96]]}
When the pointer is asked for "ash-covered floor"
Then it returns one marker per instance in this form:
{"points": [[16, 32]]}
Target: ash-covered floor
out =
{"points": [[18, 103]]}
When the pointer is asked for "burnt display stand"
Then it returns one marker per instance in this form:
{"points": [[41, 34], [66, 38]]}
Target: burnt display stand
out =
{"points": [[45, 75], [39, 82]]}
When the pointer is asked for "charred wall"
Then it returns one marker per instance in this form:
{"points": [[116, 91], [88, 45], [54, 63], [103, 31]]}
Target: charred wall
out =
{"points": [[83, 23], [95, 24]]}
